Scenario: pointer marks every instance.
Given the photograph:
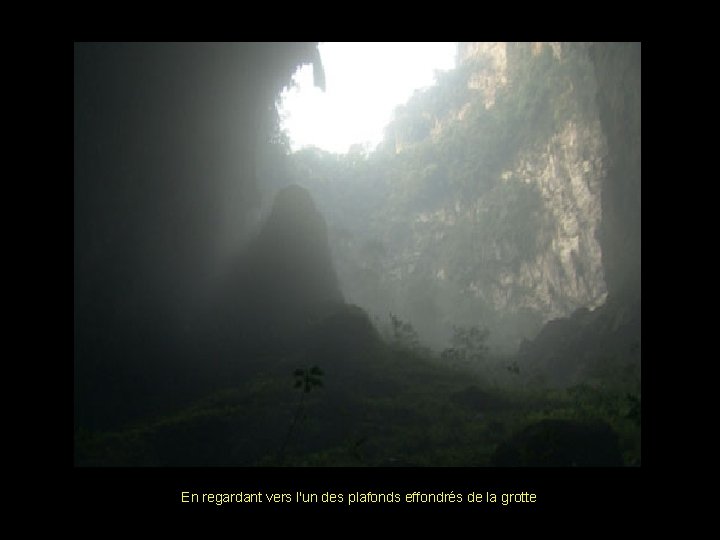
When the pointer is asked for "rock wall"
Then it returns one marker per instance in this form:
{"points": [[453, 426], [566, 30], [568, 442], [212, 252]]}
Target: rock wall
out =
{"points": [[617, 69], [500, 199], [568, 170], [166, 136], [569, 349], [561, 265]]}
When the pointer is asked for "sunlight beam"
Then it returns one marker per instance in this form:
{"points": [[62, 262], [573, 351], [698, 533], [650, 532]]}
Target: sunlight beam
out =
{"points": [[364, 84]]}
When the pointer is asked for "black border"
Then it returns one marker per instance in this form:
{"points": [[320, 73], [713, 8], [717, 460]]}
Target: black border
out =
{"points": [[561, 492]]}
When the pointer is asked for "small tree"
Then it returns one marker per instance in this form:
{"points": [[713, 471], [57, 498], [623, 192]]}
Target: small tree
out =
{"points": [[404, 334], [305, 380], [469, 345]]}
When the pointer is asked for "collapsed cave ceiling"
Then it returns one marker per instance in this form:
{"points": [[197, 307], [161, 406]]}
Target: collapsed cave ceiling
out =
{"points": [[166, 137], [165, 143]]}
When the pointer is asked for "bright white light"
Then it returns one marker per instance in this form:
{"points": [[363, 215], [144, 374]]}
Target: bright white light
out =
{"points": [[364, 83]]}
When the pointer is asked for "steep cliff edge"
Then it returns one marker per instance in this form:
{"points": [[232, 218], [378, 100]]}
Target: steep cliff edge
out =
{"points": [[617, 69], [505, 196], [284, 278], [484, 204], [166, 141], [570, 348]]}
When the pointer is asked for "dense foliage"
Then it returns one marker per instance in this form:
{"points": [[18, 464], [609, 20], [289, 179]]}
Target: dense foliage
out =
{"points": [[288, 374], [400, 407], [426, 225]]}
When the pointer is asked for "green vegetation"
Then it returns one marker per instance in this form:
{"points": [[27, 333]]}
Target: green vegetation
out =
{"points": [[398, 407], [421, 229], [305, 381], [468, 346], [434, 198]]}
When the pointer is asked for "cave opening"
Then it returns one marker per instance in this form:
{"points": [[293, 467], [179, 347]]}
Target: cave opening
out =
{"points": [[470, 195], [463, 290]]}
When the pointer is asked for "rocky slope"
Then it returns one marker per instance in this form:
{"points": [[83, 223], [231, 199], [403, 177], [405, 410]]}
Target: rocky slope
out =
{"points": [[570, 348], [489, 202]]}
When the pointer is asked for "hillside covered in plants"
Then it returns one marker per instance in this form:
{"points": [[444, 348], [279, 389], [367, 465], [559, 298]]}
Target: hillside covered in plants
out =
{"points": [[465, 294], [483, 205]]}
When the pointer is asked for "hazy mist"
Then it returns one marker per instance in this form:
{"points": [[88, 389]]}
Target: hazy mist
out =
{"points": [[466, 293]]}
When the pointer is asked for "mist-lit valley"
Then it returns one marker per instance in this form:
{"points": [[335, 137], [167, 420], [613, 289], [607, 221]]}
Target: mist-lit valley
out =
{"points": [[465, 294]]}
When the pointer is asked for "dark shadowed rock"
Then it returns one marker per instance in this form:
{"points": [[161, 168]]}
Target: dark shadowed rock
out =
{"points": [[291, 258], [282, 280], [167, 138], [561, 443], [618, 73], [565, 349], [342, 334]]}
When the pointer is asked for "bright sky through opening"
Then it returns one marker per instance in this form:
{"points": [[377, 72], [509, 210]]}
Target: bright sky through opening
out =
{"points": [[364, 83]]}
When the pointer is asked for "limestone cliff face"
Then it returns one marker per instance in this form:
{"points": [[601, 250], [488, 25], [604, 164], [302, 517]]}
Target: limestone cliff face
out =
{"points": [[568, 348], [568, 171], [502, 200], [617, 69], [603, 146], [555, 264], [493, 74]]}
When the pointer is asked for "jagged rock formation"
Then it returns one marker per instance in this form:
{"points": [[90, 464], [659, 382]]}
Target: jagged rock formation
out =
{"points": [[566, 348], [292, 252], [166, 138], [509, 197], [285, 277], [493, 74], [283, 298], [487, 207], [566, 168]]}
